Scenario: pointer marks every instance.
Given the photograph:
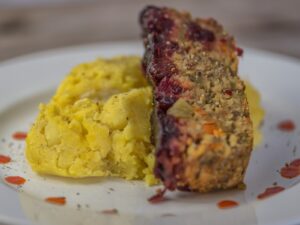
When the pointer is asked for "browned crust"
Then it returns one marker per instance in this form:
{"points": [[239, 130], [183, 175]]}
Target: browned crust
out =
{"points": [[203, 130]]}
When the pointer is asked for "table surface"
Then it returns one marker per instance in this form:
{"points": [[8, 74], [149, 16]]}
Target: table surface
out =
{"points": [[264, 24]]}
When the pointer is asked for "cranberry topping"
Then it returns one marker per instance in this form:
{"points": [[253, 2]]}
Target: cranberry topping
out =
{"points": [[156, 20], [160, 69], [169, 86], [239, 51], [196, 33], [165, 102], [165, 49], [169, 129]]}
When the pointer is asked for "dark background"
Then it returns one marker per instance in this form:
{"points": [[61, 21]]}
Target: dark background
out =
{"points": [[32, 25]]}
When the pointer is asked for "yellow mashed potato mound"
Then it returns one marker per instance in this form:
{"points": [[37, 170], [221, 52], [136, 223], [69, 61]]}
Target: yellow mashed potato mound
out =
{"points": [[256, 111], [98, 123]]}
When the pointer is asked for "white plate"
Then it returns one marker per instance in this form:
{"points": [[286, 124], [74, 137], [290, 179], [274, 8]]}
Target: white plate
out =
{"points": [[29, 80]]}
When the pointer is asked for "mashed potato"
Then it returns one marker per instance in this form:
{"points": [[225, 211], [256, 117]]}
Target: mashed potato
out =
{"points": [[98, 123], [256, 111]]}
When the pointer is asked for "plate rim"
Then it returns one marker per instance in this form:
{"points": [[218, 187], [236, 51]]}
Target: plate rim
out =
{"points": [[76, 48], [89, 46]]}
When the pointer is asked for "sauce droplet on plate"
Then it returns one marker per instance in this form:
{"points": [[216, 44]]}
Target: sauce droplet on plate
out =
{"points": [[19, 136], [56, 200], [16, 180], [295, 162], [110, 211], [291, 170], [270, 191], [226, 204], [4, 159], [158, 197], [286, 126]]}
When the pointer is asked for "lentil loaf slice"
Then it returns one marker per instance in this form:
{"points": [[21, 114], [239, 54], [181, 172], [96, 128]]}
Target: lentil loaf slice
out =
{"points": [[201, 124]]}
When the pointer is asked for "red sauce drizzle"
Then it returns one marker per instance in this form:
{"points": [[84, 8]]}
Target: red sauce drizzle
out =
{"points": [[270, 191], [226, 204], [286, 125], [56, 200], [110, 211], [158, 197], [295, 162], [16, 180], [4, 159], [291, 170], [19, 136], [197, 33]]}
